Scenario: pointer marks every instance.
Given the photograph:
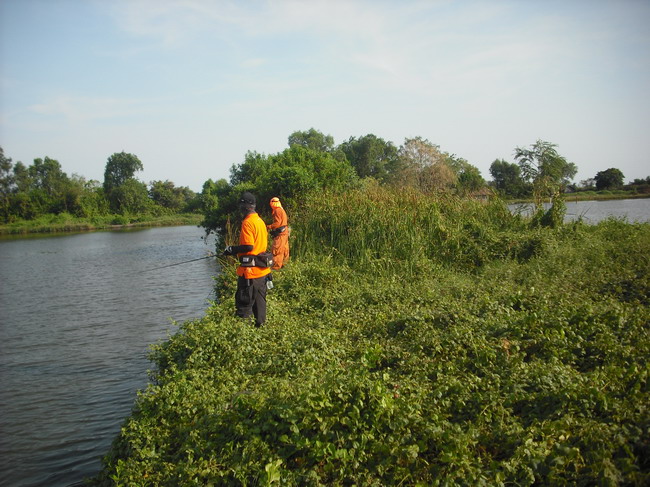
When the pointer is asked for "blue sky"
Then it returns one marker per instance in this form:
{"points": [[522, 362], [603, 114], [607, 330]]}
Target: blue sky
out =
{"points": [[190, 86]]}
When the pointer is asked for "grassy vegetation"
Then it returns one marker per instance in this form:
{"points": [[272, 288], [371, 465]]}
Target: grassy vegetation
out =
{"points": [[66, 222], [411, 341]]}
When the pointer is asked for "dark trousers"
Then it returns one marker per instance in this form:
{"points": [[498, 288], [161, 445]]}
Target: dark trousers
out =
{"points": [[250, 298]]}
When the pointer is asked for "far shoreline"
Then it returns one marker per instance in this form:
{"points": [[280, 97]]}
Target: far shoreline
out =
{"points": [[42, 227], [590, 196]]}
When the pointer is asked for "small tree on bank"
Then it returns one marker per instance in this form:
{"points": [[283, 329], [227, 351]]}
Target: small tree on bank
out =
{"points": [[120, 169], [549, 173], [611, 178]]}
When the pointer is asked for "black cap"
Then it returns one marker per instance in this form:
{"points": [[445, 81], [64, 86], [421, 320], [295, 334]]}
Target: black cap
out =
{"points": [[247, 199]]}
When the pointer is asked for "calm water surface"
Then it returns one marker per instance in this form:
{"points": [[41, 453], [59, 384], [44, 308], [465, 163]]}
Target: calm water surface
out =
{"points": [[633, 210], [77, 314]]}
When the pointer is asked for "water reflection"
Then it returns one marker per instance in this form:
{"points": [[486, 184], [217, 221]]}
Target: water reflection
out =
{"points": [[77, 314]]}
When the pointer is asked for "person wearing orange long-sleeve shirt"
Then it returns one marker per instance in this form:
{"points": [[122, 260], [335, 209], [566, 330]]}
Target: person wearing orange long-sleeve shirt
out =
{"points": [[279, 230]]}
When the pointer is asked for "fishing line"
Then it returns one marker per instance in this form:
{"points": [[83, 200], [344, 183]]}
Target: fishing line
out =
{"points": [[179, 263]]}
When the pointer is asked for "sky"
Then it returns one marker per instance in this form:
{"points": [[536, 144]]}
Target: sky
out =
{"points": [[190, 86]]}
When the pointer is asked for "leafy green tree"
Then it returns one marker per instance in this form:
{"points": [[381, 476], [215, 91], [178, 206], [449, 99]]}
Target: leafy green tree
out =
{"points": [[297, 171], [291, 175], [131, 198], [22, 179], [120, 169], [7, 185], [48, 185], [611, 178], [217, 201], [167, 195], [372, 156], [470, 179], [312, 139], [254, 165], [548, 171], [507, 178], [92, 201]]}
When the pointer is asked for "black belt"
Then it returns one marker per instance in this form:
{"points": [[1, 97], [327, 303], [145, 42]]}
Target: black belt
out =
{"points": [[277, 231]]}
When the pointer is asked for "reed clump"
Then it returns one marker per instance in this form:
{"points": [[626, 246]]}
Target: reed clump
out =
{"points": [[391, 229]]}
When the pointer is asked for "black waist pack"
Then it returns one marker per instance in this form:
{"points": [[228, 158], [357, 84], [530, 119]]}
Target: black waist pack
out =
{"points": [[265, 259], [277, 231]]}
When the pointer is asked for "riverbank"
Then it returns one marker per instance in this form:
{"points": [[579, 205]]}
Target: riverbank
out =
{"points": [[411, 341], [66, 223]]}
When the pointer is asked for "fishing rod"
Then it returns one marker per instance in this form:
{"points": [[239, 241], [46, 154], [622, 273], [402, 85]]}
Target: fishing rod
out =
{"points": [[179, 263]]}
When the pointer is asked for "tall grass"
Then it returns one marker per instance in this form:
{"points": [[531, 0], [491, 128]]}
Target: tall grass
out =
{"points": [[388, 229]]}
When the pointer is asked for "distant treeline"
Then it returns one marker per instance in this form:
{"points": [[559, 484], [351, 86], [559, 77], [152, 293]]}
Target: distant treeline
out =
{"points": [[43, 188], [312, 162]]}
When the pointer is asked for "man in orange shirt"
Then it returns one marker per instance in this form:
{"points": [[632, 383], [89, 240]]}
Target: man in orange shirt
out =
{"points": [[280, 232], [250, 297]]}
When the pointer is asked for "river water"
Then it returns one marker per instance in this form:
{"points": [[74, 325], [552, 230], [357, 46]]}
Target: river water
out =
{"points": [[77, 315], [632, 210]]}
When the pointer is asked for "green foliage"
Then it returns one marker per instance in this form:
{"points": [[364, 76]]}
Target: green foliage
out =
{"points": [[507, 179], [120, 167], [371, 156], [528, 370], [312, 139], [291, 175], [548, 171], [41, 189], [167, 195], [385, 228], [123, 191], [298, 171], [611, 178]]}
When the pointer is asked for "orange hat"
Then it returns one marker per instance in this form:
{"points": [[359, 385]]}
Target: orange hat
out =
{"points": [[275, 202]]}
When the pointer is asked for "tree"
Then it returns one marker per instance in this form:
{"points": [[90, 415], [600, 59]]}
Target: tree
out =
{"points": [[424, 166], [120, 169], [297, 171], [588, 184], [611, 178], [48, 185], [290, 175], [131, 197], [167, 195], [254, 165], [217, 200], [470, 179], [7, 185], [93, 201], [371, 156], [507, 178], [312, 139], [548, 171]]}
